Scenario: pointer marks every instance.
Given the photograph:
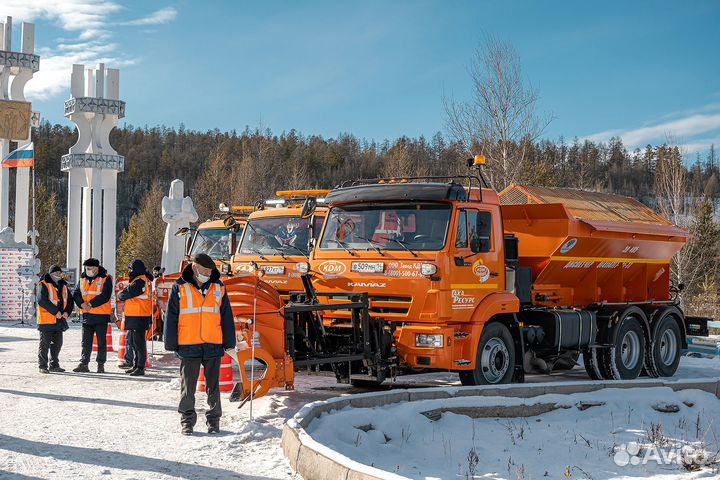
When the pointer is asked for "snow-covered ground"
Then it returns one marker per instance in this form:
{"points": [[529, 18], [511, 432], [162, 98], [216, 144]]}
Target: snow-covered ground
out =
{"points": [[609, 434], [113, 426]]}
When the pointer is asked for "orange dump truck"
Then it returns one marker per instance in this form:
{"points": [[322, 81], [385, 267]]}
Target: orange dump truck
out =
{"points": [[437, 274]]}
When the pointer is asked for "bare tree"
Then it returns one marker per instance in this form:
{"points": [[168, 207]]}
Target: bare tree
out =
{"points": [[500, 119], [679, 204]]}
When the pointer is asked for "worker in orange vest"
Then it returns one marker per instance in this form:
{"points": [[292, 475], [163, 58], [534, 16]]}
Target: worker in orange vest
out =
{"points": [[54, 307], [138, 313], [199, 327], [93, 296]]}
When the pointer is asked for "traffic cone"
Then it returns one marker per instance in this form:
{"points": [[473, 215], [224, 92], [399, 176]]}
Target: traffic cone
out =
{"points": [[122, 348], [226, 374], [201, 380], [147, 357], [95, 346], [108, 338]]}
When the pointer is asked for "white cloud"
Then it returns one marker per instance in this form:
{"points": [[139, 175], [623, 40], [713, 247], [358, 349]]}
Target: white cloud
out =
{"points": [[686, 125], [162, 16], [91, 21]]}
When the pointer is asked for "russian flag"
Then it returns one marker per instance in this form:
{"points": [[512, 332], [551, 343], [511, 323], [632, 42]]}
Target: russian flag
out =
{"points": [[22, 157]]}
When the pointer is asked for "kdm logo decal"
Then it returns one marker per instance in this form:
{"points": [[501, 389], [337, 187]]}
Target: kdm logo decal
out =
{"points": [[332, 268], [569, 245]]}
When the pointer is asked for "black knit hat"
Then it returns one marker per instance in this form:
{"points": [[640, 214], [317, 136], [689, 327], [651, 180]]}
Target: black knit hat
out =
{"points": [[91, 262], [204, 260], [55, 268]]}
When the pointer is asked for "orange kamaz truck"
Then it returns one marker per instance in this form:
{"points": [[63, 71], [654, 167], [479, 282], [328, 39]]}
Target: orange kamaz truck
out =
{"points": [[445, 274], [279, 239]]}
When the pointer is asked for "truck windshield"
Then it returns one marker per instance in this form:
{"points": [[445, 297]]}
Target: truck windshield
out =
{"points": [[212, 241], [277, 236], [387, 227]]}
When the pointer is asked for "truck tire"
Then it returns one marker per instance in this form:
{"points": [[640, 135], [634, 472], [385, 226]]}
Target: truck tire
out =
{"points": [[663, 356], [495, 360], [625, 359], [591, 362]]}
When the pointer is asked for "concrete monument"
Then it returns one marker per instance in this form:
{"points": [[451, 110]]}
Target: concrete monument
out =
{"points": [[177, 211], [92, 166], [16, 68]]}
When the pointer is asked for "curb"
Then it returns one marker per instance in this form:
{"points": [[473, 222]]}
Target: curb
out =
{"points": [[314, 461]]}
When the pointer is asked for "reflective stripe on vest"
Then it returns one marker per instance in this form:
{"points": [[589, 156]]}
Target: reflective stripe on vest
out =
{"points": [[199, 320], [44, 317], [93, 288], [140, 306]]}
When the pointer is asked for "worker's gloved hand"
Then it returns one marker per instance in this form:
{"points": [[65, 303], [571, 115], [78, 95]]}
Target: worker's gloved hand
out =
{"points": [[58, 315], [65, 315], [86, 306]]}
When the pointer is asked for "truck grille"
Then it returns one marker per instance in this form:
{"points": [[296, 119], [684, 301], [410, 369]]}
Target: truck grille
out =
{"points": [[382, 306]]}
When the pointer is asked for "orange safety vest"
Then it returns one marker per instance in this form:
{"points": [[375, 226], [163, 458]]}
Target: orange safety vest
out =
{"points": [[140, 306], [91, 289], [199, 319], [45, 317]]}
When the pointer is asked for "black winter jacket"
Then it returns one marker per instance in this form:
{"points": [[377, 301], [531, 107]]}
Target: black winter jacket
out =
{"points": [[203, 350], [104, 297], [43, 300], [132, 291]]}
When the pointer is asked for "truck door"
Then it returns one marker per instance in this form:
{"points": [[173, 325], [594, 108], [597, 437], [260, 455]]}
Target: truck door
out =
{"points": [[476, 261]]}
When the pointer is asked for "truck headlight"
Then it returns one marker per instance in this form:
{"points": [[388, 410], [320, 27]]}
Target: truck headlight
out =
{"points": [[428, 341], [302, 267], [428, 269]]}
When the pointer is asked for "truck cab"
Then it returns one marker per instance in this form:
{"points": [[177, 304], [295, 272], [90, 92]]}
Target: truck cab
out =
{"points": [[278, 238], [218, 237], [429, 255]]}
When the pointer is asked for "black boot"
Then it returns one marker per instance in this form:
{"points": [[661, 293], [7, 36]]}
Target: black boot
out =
{"points": [[213, 427], [82, 368], [44, 370], [137, 372], [125, 366], [57, 369], [101, 368], [186, 430], [131, 371]]}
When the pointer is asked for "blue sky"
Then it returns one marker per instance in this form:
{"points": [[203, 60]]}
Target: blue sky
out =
{"points": [[641, 69]]}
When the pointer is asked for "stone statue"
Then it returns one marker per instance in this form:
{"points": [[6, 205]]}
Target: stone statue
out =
{"points": [[177, 212]]}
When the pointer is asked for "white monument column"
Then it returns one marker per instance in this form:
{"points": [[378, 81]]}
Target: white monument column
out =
{"points": [[20, 66], [92, 165]]}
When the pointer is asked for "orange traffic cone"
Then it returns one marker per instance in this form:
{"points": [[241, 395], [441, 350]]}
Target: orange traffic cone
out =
{"points": [[122, 348], [226, 374], [108, 338], [201, 380], [95, 346]]}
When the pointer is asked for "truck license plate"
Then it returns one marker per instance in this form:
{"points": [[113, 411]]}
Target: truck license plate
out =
{"points": [[367, 267], [274, 269]]}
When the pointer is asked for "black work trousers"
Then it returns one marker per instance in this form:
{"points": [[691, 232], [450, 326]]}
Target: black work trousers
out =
{"points": [[52, 342], [99, 331], [139, 348], [189, 372]]}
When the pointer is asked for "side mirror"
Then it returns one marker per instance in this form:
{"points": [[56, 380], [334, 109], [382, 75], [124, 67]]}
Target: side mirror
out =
{"points": [[182, 231], [308, 207]]}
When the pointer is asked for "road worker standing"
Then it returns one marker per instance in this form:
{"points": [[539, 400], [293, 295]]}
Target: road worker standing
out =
{"points": [[138, 313], [199, 328], [93, 296], [54, 307]]}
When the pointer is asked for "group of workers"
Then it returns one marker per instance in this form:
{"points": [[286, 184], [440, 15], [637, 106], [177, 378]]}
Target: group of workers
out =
{"points": [[199, 325]]}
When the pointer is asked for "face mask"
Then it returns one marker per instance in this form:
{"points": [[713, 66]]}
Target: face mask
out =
{"points": [[56, 278], [89, 274], [202, 278]]}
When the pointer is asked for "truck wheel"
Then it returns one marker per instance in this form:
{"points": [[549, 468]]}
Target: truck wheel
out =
{"points": [[626, 358], [495, 360], [663, 357], [590, 362]]}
